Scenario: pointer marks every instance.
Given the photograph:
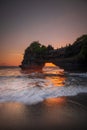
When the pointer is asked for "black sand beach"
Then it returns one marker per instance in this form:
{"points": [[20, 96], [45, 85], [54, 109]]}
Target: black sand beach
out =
{"points": [[55, 113]]}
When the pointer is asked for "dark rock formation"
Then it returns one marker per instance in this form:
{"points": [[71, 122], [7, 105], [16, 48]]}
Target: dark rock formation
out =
{"points": [[35, 55], [75, 55]]}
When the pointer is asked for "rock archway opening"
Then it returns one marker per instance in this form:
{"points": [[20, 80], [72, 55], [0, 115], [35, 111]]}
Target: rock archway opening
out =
{"points": [[50, 64]]}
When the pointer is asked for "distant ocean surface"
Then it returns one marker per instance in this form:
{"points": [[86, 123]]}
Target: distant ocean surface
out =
{"points": [[30, 88]]}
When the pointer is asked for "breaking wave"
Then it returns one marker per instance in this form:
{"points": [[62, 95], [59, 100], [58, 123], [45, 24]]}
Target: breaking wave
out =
{"points": [[36, 87]]}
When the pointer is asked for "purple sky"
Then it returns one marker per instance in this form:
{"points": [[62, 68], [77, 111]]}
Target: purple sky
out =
{"points": [[55, 22]]}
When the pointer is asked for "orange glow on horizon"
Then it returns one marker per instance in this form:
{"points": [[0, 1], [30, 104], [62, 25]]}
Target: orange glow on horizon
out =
{"points": [[11, 60]]}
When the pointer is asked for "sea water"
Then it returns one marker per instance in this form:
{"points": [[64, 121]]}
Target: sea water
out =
{"points": [[38, 99], [32, 87]]}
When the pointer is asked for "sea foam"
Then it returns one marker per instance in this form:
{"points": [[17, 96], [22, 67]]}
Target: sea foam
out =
{"points": [[29, 91]]}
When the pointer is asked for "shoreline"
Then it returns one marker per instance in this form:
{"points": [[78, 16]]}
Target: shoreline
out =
{"points": [[80, 98], [59, 113]]}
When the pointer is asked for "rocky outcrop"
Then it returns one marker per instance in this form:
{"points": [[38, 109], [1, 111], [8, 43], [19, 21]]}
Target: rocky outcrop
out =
{"points": [[36, 55]]}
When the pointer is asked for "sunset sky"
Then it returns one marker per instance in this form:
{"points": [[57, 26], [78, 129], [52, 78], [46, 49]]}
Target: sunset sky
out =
{"points": [[55, 22]]}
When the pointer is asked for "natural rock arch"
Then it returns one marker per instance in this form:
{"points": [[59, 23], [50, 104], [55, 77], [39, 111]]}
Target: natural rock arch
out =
{"points": [[69, 57]]}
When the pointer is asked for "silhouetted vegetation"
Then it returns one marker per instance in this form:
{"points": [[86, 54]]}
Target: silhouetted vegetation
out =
{"points": [[83, 54], [78, 48]]}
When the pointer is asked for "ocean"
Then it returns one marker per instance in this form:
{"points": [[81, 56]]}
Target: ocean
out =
{"points": [[30, 88], [39, 99]]}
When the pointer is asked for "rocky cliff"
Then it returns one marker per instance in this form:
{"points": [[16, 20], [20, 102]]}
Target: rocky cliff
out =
{"points": [[72, 54]]}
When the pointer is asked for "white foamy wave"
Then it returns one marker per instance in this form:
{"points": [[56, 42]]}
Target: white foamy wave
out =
{"points": [[79, 74], [19, 76], [31, 91], [35, 87]]}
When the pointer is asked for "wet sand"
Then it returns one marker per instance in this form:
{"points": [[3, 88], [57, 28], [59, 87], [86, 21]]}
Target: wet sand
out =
{"points": [[65, 113]]}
